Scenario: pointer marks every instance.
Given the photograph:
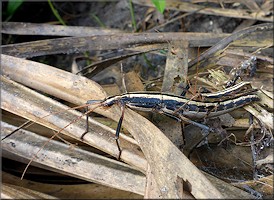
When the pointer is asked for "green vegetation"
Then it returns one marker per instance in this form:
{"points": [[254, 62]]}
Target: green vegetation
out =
{"points": [[12, 7], [133, 21], [160, 5], [56, 13]]}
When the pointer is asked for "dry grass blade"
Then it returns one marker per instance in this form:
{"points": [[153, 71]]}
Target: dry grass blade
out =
{"points": [[74, 162], [96, 67], [163, 156], [21, 28], [9, 191], [70, 45], [261, 114], [74, 191]]}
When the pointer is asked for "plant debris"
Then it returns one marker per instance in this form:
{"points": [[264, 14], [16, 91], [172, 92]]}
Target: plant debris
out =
{"points": [[49, 72]]}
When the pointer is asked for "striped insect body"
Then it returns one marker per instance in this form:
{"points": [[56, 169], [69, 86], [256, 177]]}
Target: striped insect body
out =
{"points": [[181, 108], [177, 105]]}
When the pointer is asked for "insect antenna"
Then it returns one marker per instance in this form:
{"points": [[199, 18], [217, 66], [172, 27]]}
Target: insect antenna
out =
{"points": [[26, 124], [75, 120], [29, 122]]}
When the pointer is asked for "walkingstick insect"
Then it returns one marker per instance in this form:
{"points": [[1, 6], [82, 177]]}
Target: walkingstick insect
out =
{"points": [[180, 108]]}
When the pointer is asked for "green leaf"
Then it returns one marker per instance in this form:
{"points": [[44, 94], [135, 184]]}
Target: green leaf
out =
{"points": [[133, 21], [160, 5], [13, 6], [56, 13]]}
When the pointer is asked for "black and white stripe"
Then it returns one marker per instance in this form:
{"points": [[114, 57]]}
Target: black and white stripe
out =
{"points": [[177, 105]]}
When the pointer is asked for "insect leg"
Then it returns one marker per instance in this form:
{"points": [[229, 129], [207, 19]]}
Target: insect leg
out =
{"points": [[171, 116], [202, 126], [185, 89], [211, 110], [118, 130], [87, 124], [205, 132], [89, 102]]}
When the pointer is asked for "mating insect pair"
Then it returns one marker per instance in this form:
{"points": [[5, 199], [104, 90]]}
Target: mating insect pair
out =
{"points": [[179, 107]]}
